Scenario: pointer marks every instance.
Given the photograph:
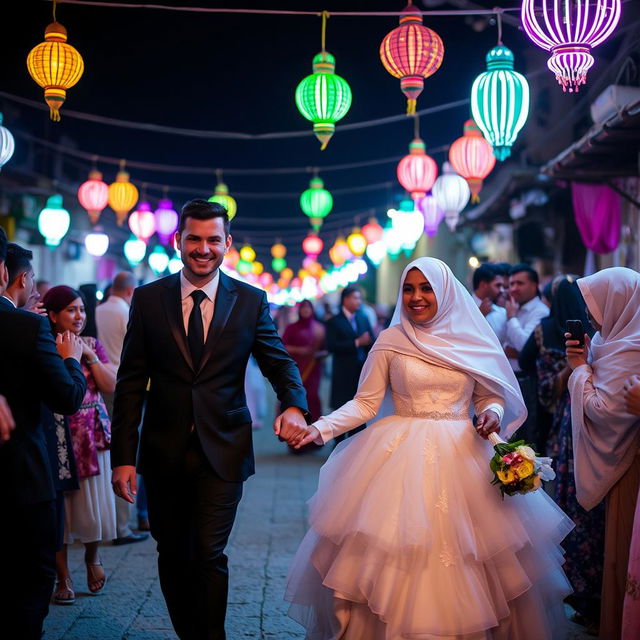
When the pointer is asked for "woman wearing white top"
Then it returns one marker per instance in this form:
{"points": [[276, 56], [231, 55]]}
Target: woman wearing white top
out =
{"points": [[408, 538]]}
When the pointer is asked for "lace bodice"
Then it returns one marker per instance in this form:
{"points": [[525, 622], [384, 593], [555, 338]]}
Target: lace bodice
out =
{"points": [[418, 389]]}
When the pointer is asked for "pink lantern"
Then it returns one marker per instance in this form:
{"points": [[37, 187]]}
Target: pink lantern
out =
{"points": [[142, 222], [166, 221], [432, 214], [372, 231], [312, 245], [93, 195], [417, 171]]}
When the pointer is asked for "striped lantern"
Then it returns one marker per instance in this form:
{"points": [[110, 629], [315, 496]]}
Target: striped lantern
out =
{"points": [[7, 144], [451, 193], [411, 52], [316, 202], [222, 197], [472, 157], [93, 195], [56, 66], [123, 196], [142, 222], [417, 171], [166, 221]]}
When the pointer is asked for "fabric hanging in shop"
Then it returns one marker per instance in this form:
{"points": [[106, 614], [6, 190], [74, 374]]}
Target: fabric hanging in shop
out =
{"points": [[597, 211]]}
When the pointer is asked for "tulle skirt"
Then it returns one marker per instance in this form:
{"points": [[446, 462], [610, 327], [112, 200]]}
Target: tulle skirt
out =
{"points": [[408, 539]]}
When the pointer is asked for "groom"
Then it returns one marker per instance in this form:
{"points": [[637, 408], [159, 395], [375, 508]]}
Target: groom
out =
{"points": [[190, 336]]}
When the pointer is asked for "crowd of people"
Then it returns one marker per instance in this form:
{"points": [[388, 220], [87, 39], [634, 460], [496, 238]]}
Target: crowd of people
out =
{"points": [[401, 388]]}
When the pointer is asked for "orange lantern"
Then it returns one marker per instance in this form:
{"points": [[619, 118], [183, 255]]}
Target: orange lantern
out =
{"points": [[123, 195], [278, 250]]}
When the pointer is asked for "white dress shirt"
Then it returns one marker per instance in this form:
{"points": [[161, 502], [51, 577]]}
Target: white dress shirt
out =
{"points": [[521, 327], [112, 317], [497, 318], [206, 306]]}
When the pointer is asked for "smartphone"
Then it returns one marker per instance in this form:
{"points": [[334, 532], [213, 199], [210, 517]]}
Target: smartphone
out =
{"points": [[575, 328]]}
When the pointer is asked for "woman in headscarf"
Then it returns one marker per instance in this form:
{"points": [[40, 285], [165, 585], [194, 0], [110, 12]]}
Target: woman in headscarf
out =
{"points": [[544, 355], [89, 512], [606, 437], [408, 538]]}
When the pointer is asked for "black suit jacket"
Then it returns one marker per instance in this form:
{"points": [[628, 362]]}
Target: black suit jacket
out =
{"points": [[347, 358], [32, 373], [212, 398]]}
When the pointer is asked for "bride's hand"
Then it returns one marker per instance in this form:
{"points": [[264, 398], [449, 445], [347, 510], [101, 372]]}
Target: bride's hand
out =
{"points": [[487, 422], [311, 435]]}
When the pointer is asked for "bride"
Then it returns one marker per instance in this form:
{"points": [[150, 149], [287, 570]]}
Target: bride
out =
{"points": [[408, 538]]}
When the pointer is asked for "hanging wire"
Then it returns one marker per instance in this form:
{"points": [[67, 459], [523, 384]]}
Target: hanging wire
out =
{"points": [[416, 126], [325, 17], [55, 2], [499, 22]]}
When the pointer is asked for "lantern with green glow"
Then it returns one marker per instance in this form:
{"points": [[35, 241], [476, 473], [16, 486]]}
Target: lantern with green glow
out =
{"points": [[54, 221], [278, 264], [222, 197], [316, 202], [500, 101]]}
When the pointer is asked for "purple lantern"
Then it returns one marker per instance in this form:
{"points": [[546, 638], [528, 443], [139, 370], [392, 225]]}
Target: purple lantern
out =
{"points": [[570, 30], [166, 221], [432, 213]]}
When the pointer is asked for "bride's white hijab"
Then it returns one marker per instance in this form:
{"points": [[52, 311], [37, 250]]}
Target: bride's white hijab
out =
{"points": [[457, 337], [605, 437]]}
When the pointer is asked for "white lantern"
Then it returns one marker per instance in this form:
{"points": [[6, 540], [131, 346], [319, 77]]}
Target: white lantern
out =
{"points": [[7, 144], [410, 226], [54, 221], [96, 243], [175, 264], [158, 260], [452, 194], [134, 250], [376, 252]]}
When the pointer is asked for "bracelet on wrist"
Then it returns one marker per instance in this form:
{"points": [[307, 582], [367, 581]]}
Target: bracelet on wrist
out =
{"points": [[94, 361]]}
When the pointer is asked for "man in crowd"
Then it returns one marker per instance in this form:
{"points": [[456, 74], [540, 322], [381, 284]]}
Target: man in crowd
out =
{"points": [[111, 322], [488, 286], [35, 369], [21, 288], [349, 338]]}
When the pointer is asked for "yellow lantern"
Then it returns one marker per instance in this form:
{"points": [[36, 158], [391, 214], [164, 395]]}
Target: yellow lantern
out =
{"points": [[286, 274], [257, 268], [56, 66], [356, 242], [247, 253], [123, 195]]}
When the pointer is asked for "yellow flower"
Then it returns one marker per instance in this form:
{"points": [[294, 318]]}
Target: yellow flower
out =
{"points": [[524, 469], [526, 452], [506, 476]]}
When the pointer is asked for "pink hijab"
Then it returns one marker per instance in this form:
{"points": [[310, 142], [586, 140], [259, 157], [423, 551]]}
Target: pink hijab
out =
{"points": [[605, 437]]}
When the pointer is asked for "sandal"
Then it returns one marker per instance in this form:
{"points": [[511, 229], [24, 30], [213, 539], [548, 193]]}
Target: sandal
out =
{"points": [[96, 578], [63, 592]]}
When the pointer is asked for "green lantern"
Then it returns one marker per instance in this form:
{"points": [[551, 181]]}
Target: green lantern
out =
{"points": [[323, 97], [316, 202], [278, 264], [222, 197], [500, 101]]}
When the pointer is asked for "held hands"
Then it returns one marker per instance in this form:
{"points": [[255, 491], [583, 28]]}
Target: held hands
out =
{"points": [[290, 426], [69, 346], [7, 425], [576, 355], [487, 422], [632, 395], [125, 482]]}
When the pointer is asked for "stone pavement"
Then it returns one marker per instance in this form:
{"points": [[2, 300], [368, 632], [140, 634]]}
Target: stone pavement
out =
{"points": [[271, 521]]}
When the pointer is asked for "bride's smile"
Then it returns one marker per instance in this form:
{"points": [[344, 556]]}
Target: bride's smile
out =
{"points": [[418, 298]]}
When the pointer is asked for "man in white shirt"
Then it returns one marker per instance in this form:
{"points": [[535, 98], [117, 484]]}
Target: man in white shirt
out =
{"points": [[111, 320], [488, 285]]}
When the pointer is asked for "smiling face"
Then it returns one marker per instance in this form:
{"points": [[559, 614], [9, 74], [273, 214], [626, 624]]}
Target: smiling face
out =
{"points": [[418, 299], [72, 318]]}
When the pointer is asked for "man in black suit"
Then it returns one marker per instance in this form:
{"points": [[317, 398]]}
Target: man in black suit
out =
{"points": [[34, 370], [191, 335], [349, 338]]}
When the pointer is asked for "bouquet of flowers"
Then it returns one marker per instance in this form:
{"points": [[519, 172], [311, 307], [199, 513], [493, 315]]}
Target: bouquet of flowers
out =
{"points": [[516, 467]]}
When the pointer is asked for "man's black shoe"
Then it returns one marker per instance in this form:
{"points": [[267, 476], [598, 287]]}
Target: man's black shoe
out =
{"points": [[134, 537]]}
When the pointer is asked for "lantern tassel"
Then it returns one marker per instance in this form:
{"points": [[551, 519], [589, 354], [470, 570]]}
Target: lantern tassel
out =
{"points": [[54, 113], [475, 198], [411, 107], [323, 146]]}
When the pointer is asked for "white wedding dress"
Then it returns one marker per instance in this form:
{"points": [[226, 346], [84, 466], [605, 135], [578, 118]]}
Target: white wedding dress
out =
{"points": [[408, 538]]}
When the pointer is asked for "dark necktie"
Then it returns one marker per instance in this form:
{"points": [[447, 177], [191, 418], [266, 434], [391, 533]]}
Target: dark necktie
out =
{"points": [[195, 337]]}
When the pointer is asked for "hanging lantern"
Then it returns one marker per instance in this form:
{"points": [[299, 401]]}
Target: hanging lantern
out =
{"points": [[472, 157], [411, 52], [96, 243], [142, 222], [278, 264], [243, 267], [376, 252], [232, 257], [166, 219], [356, 242], [316, 202], [158, 260], [123, 195], [500, 101], [570, 30], [222, 197], [134, 250], [432, 214], [409, 225], [257, 268], [417, 171], [339, 252], [286, 274], [93, 195], [372, 231], [312, 245], [56, 66], [175, 264], [247, 253], [278, 250], [54, 221], [452, 193], [7, 144]]}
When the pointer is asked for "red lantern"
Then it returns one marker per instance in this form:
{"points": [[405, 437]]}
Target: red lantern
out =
{"points": [[472, 157], [417, 171], [93, 195], [142, 222], [372, 231], [312, 245], [411, 52]]}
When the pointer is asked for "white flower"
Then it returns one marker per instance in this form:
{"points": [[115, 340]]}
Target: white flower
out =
{"points": [[544, 470], [526, 452]]}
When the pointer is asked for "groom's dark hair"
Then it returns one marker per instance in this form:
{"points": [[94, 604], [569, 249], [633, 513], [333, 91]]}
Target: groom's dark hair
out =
{"points": [[199, 209]]}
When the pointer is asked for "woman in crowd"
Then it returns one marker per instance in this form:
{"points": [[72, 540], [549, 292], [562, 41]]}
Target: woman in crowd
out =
{"points": [[606, 437], [304, 340], [408, 537], [544, 355], [90, 512]]}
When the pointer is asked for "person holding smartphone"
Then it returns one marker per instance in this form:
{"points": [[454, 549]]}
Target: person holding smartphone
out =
{"points": [[606, 435]]}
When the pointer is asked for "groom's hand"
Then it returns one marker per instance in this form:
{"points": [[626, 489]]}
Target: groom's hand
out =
{"points": [[290, 426], [124, 482]]}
